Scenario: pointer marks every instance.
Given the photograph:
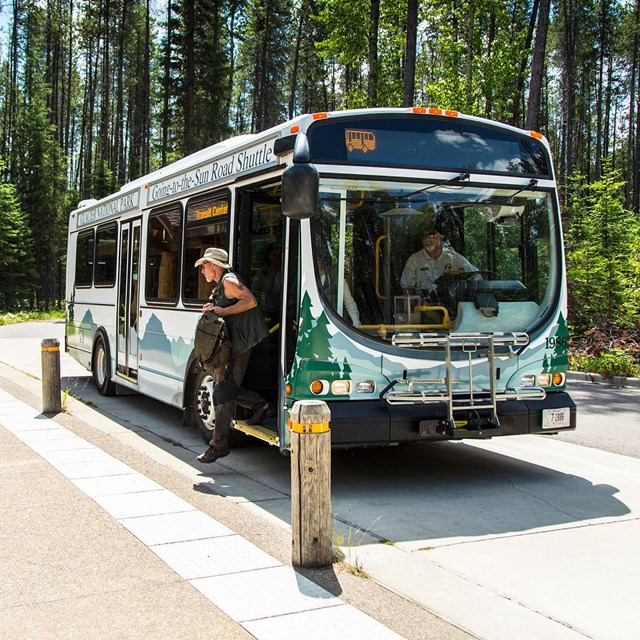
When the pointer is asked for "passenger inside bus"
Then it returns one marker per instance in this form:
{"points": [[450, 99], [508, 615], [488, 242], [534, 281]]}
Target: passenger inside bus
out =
{"points": [[331, 291], [267, 284], [436, 259]]}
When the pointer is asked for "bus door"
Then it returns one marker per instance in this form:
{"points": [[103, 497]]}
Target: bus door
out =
{"points": [[260, 249], [128, 291]]}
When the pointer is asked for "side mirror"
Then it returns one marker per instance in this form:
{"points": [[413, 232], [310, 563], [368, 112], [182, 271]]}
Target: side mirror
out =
{"points": [[300, 183]]}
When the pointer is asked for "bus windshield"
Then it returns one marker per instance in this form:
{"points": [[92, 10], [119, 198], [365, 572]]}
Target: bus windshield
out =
{"points": [[395, 259], [428, 142]]}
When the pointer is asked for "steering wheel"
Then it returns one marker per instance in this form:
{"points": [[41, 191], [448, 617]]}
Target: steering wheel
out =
{"points": [[459, 275], [450, 287]]}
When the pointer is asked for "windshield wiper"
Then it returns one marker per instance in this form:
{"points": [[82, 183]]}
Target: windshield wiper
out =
{"points": [[459, 178], [379, 199], [509, 199]]}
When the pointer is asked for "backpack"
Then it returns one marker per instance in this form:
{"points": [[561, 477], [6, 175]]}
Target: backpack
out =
{"points": [[211, 345]]}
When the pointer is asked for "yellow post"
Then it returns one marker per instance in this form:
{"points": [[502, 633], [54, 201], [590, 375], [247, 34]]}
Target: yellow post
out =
{"points": [[311, 484], [51, 401]]}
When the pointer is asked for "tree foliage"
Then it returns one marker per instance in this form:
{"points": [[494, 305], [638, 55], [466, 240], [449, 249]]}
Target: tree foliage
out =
{"points": [[603, 248], [95, 93], [16, 257]]}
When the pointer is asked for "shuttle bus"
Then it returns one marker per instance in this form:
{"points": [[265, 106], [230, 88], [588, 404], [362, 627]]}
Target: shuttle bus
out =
{"points": [[322, 229]]}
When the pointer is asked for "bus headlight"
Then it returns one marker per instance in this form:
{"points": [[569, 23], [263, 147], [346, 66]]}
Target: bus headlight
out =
{"points": [[341, 387], [544, 380], [528, 381], [365, 386]]}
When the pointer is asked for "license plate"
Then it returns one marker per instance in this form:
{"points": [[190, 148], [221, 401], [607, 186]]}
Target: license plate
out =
{"points": [[552, 418]]}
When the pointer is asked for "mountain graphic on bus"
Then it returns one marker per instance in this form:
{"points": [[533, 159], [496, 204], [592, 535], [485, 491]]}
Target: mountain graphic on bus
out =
{"points": [[357, 139]]}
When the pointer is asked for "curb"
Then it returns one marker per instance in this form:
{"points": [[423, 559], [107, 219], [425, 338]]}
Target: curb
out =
{"points": [[596, 378]]}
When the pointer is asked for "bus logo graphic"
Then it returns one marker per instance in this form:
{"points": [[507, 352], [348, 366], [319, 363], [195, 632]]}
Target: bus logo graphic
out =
{"points": [[357, 139]]}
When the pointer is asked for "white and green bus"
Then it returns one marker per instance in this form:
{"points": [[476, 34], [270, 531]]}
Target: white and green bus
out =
{"points": [[320, 216]]}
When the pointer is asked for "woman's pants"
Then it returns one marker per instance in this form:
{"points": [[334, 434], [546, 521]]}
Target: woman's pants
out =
{"points": [[227, 393]]}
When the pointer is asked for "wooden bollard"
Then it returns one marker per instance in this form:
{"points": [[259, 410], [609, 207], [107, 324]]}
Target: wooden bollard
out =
{"points": [[311, 484], [51, 402]]}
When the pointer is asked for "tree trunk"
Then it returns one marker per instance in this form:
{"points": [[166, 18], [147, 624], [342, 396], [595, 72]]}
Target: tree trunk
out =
{"points": [[166, 88], [296, 60], [519, 88], [105, 111], [372, 85], [537, 67], [189, 78], [410, 53], [118, 158], [146, 99], [632, 188]]}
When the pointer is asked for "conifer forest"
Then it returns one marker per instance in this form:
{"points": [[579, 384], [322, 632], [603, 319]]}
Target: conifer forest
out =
{"points": [[95, 93]]}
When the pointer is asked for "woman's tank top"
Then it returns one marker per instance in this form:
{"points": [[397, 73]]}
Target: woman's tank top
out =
{"points": [[246, 329]]}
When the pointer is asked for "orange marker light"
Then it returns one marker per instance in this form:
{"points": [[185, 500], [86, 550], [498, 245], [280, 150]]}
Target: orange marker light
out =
{"points": [[537, 135], [295, 129], [453, 114], [434, 111], [316, 387], [320, 115], [419, 110]]}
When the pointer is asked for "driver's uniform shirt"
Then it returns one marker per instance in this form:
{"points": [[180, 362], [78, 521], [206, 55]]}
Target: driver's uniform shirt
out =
{"points": [[421, 270]]}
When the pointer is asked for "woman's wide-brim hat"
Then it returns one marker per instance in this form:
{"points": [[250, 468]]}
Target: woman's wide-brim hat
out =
{"points": [[215, 255]]}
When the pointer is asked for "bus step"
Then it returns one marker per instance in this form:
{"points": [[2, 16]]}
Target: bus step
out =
{"points": [[257, 431]]}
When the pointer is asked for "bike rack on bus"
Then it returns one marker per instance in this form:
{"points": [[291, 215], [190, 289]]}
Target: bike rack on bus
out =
{"points": [[461, 399]]}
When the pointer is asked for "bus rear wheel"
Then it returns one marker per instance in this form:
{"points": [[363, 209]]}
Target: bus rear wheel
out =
{"points": [[205, 414], [101, 369]]}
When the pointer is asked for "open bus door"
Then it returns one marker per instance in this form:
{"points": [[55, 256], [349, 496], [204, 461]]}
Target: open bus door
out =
{"points": [[128, 305], [260, 247]]}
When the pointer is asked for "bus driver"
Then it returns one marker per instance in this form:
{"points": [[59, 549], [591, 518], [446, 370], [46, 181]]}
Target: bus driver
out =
{"points": [[424, 267]]}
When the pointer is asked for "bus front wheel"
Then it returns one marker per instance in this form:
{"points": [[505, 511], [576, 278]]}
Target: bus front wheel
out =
{"points": [[203, 405], [101, 368]]}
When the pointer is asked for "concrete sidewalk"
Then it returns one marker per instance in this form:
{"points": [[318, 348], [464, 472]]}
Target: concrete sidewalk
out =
{"points": [[69, 570], [92, 547]]}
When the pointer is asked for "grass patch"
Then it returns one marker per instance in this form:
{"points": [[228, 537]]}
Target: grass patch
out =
{"points": [[31, 316], [609, 364]]}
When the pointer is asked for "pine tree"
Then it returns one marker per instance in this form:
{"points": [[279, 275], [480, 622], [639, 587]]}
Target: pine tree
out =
{"points": [[16, 257], [266, 58], [602, 253], [41, 175], [199, 68]]}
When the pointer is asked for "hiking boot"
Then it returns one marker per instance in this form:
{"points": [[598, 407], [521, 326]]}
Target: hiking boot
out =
{"points": [[212, 454], [262, 413]]}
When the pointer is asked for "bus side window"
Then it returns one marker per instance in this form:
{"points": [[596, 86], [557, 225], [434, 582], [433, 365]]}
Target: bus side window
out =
{"points": [[164, 239], [105, 269], [207, 225], [84, 259]]}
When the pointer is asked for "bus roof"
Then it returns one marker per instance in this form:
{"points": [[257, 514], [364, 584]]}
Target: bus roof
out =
{"points": [[229, 159]]}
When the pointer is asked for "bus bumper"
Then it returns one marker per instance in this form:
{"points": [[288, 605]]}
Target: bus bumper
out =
{"points": [[374, 422]]}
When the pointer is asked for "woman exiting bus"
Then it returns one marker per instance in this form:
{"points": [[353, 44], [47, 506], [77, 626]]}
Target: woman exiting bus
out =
{"points": [[234, 302]]}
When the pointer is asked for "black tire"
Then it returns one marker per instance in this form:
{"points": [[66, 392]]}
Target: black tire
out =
{"points": [[101, 368], [204, 413]]}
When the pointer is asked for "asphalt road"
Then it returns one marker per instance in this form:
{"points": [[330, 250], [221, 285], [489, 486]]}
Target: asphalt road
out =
{"points": [[504, 538], [608, 418]]}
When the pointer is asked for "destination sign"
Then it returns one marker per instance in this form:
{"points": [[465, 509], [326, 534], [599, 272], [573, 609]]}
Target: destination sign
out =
{"points": [[119, 205], [214, 211], [213, 172]]}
